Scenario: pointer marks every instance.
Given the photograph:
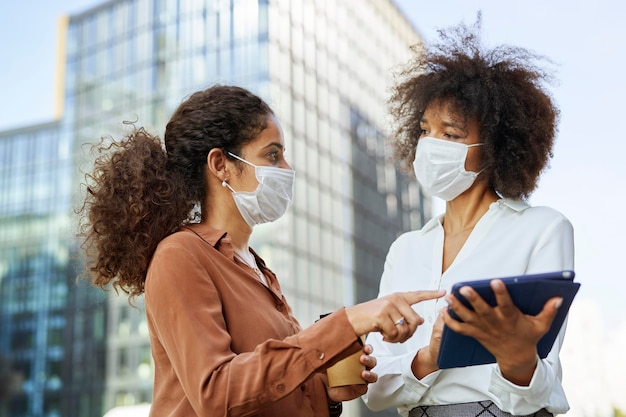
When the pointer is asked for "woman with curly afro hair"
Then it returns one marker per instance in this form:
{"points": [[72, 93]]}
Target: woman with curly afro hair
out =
{"points": [[223, 338], [477, 128]]}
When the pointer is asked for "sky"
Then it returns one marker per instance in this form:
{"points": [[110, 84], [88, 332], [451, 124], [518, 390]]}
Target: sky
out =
{"points": [[586, 177]]}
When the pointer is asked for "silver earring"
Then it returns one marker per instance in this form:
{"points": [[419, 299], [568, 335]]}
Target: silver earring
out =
{"points": [[224, 183]]}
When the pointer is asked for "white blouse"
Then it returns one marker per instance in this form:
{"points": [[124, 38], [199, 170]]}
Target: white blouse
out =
{"points": [[512, 238]]}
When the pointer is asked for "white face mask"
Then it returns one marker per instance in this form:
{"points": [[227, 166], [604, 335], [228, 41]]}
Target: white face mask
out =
{"points": [[272, 197], [440, 167]]}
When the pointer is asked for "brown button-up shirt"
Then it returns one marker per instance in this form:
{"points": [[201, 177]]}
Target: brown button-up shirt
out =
{"points": [[224, 344]]}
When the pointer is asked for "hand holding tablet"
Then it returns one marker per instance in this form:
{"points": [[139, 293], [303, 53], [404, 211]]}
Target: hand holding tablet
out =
{"points": [[529, 293]]}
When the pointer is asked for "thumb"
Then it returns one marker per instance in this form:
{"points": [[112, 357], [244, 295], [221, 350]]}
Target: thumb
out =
{"points": [[414, 297], [549, 311]]}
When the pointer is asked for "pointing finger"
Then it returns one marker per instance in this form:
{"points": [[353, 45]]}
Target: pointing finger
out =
{"points": [[414, 297]]}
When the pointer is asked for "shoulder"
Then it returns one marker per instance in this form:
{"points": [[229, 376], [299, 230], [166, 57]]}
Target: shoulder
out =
{"points": [[181, 239], [541, 214], [415, 238], [184, 246], [408, 238], [539, 224], [192, 237], [183, 256]]}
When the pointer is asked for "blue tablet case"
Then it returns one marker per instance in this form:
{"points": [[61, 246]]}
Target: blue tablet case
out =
{"points": [[529, 293]]}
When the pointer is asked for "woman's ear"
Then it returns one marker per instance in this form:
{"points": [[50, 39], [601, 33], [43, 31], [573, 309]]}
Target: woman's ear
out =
{"points": [[216, 163]]}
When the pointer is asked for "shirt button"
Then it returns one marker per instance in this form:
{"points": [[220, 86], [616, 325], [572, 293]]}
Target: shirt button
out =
{"points": [[280, 388], [320, 355]]}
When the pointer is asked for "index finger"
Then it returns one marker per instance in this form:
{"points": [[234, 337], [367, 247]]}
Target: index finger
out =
{"points": [[414, 297]]}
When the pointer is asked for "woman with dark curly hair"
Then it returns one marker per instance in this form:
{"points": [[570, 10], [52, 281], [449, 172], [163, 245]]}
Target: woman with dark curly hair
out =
{"points": [[477, 128], [223, 338]]}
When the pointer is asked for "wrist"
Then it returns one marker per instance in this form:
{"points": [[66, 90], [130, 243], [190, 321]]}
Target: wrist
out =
{"points": [[423, 364], [520, 373], [353, 318], [334, 408]]}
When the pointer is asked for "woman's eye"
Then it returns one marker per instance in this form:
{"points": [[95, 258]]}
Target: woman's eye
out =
{"points": [[423, 132], [273, 156]]}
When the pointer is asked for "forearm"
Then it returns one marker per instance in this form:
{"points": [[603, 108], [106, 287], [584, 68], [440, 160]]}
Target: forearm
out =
{"points": [[247, 382]]}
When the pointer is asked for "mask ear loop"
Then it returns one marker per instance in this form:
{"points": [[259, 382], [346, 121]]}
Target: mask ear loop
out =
{"points": [[473, 145], [225, 180], [241, 159], [225, 184]]}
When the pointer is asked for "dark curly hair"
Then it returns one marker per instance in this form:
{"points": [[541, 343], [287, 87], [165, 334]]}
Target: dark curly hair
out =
{"points": [[139, 192], [500, 88]]}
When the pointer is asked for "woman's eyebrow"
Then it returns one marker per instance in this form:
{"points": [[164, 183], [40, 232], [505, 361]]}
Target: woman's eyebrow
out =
{"points": [[454, 125], [276, 144]]}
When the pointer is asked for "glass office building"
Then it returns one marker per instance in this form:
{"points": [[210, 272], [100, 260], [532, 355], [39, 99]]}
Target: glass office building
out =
{"points": [[51, 328], [325, 68]]}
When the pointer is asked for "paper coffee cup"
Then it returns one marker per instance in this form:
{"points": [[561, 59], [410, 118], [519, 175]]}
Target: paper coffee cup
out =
{"points": [[347, 371]]}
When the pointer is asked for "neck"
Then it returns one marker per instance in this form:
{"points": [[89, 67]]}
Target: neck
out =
{"points": [[465, 211], [239, 232], [239, 238], [222, 214]]}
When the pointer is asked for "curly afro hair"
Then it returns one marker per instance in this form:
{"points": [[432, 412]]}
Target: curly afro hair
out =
{"points": [[500, 88], [139, 192]]}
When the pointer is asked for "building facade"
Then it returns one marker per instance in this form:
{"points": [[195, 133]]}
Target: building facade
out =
{"points": [[324, 66], [51, 328]]}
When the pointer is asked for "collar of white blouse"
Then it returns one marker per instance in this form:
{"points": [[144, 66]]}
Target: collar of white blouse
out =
{"points": [[248, 258]]}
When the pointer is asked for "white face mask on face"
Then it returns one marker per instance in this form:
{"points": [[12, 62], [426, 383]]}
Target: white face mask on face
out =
{"points": [[272, 196], [440, 167]]}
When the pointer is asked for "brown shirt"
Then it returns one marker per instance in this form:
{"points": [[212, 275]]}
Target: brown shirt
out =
{"points": [[224, 344]]}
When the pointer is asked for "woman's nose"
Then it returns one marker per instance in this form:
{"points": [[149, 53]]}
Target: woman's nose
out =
{"points": [[284, 164]]}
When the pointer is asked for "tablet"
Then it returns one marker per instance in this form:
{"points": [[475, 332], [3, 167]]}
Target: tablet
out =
{"points": [[529, 293]]}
